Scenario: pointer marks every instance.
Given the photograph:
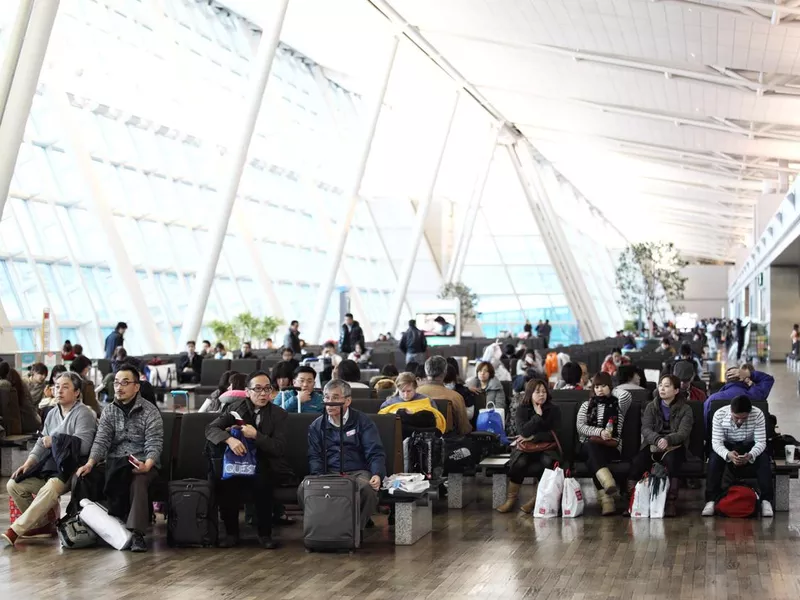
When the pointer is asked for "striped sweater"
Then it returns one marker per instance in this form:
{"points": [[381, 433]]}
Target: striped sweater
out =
{"points": [[587, 430], [723, 429]]}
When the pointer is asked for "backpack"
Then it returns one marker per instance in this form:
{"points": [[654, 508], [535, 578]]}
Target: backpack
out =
{"points": [[424, 452], [74, 533], [738, 502]]}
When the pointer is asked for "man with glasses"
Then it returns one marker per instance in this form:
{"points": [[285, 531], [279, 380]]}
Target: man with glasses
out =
{"points": [[364, 457], [46, 474], [264, 426], [129, 439], [739, 441]]}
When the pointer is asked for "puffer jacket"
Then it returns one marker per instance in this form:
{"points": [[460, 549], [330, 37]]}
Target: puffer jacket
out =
{"points": [[140, 432], [681, 421]]}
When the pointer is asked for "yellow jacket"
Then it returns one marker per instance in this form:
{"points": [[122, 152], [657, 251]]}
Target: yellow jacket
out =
{"points": [[413, 406]]}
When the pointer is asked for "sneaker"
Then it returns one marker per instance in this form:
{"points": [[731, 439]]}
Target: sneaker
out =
{"points": [[137, 543], [6, 540], [266, 542], [708, 509], [766, 509]]}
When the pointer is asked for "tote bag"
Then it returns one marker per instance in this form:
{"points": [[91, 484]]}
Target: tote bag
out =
{"points": [[239, 466]]}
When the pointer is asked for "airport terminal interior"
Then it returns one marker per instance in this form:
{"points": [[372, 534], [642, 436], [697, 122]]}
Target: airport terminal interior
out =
{"points": [[400, 299]]}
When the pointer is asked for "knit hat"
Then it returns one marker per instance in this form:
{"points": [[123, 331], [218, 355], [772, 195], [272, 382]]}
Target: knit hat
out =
{"points": [[683, 370]]}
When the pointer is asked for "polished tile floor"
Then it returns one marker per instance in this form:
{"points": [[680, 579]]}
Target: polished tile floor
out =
{"points": [[471, 553]]}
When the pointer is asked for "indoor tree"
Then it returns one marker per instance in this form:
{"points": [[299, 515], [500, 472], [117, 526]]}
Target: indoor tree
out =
{"points": [[244, 327], [649, 276], [466, 297]]}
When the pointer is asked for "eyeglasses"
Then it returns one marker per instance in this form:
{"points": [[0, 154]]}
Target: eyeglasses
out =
{"points": [[329, 398], [266, 389], [123, 383]]}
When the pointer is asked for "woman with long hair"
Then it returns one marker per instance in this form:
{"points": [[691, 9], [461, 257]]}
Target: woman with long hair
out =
{"points": [[538, 418], [599, 423]]}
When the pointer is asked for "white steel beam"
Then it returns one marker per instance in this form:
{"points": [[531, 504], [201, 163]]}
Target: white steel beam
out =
{"points": [[239, 148], [336, 252], [418, 228], [21, 89], [470, 215], [13, 48], [560, 255]]}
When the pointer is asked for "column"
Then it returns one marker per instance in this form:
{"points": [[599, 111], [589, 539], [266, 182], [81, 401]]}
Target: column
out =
{"points": [[336, 252], [259, 75], [419, 225], [22, 87]]}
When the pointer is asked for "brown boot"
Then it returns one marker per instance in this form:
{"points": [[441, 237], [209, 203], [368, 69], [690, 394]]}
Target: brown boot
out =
{"points": [[671, 506], [631, 486], [607, 505], [511, 498], [528, 507], [607, 480]]}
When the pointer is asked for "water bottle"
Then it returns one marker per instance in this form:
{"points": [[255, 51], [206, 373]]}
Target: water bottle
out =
{"points": [[610, 426]]}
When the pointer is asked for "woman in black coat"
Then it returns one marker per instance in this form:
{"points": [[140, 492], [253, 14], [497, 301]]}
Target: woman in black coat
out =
{"points": [[537, 418]]}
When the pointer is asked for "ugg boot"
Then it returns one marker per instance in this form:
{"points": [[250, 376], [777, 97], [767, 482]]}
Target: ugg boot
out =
{"points": [[631, 487], [607, 480], [511, 498], [671, 506], [607, 505], [528, 507]]}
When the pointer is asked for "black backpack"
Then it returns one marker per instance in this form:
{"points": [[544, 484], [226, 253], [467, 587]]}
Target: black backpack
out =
{"points": [[192, 516]]}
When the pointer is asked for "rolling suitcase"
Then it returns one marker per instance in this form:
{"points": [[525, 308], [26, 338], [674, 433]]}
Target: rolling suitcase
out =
{"points": [[332, 506], [192, 517]]}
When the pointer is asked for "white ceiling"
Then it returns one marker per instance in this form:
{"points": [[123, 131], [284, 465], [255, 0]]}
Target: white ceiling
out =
{"points": [[680, 108]]}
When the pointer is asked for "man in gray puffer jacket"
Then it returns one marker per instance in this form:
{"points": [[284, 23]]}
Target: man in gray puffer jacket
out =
{"points": [[129, 427]]}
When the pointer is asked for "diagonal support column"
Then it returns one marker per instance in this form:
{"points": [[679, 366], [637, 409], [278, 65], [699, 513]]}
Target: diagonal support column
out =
{"points": [[259, 76], [560, 255], [19, 90], [335, 255], [462, 247], [419, 225]]}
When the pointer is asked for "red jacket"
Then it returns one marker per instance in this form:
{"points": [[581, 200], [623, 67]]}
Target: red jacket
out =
{"points": [[609, 366]]}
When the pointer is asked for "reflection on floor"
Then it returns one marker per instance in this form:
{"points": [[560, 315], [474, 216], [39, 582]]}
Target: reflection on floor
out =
{"points": [[471, 553]]}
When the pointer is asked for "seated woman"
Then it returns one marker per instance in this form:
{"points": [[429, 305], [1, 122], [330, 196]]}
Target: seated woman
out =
{"points": [[348, 371], [599, 423], [614, 361], [666, 428], [571, 377], [212, 403], [537, 417], [235, 391], [360, 355], [408, 399], [388, 372], [485, 380]]}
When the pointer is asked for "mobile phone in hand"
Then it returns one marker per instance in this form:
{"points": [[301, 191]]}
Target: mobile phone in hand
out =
{"points": [[239, 419], [134, 461]]}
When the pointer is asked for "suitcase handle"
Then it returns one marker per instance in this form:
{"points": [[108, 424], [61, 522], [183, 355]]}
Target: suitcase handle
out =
{"points": [[325, 438]]}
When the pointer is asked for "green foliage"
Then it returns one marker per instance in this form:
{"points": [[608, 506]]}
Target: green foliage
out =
{"points": [[649, 275], [464, 294], [244, 327]]}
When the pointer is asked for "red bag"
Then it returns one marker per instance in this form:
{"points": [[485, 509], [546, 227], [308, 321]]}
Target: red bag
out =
{"points": [[738, 502], [15, 513]]}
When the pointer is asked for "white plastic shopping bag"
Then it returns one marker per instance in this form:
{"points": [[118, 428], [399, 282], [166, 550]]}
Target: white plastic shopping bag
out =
{"points": [[548, 495], [110, 529], [640, 500], [659, 488], [571, 498]]}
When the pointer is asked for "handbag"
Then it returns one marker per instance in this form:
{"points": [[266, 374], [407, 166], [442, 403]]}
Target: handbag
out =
{"points": [[529, 447], [596, 439], [239, 466]]}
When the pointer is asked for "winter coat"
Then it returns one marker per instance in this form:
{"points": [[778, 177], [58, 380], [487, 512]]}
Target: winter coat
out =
{"points": [[139, 433], [679, 430], [762, 385], [363, 450]]}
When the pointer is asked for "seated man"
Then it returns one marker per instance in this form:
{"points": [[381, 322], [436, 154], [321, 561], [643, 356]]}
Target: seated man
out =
{"points": [[628, 378], [687, 355], [739, 439], [265, 426], [741, 381], [303, 392], [364, 456], [684, 371], [246, 351], [52, 463], [129, 439], [434, 388], [190, 365]]}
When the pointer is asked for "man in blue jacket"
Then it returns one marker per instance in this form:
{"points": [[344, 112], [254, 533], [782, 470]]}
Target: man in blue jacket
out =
{"points": [[364, 456], [741, 381]]}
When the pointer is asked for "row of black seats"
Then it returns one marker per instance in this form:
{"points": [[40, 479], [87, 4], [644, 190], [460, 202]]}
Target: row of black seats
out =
{"points": [[569, 401], [183, 455]]}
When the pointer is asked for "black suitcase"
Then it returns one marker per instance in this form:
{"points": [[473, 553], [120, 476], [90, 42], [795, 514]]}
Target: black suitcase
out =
{"points": [[192, 516], [331, 506]]}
